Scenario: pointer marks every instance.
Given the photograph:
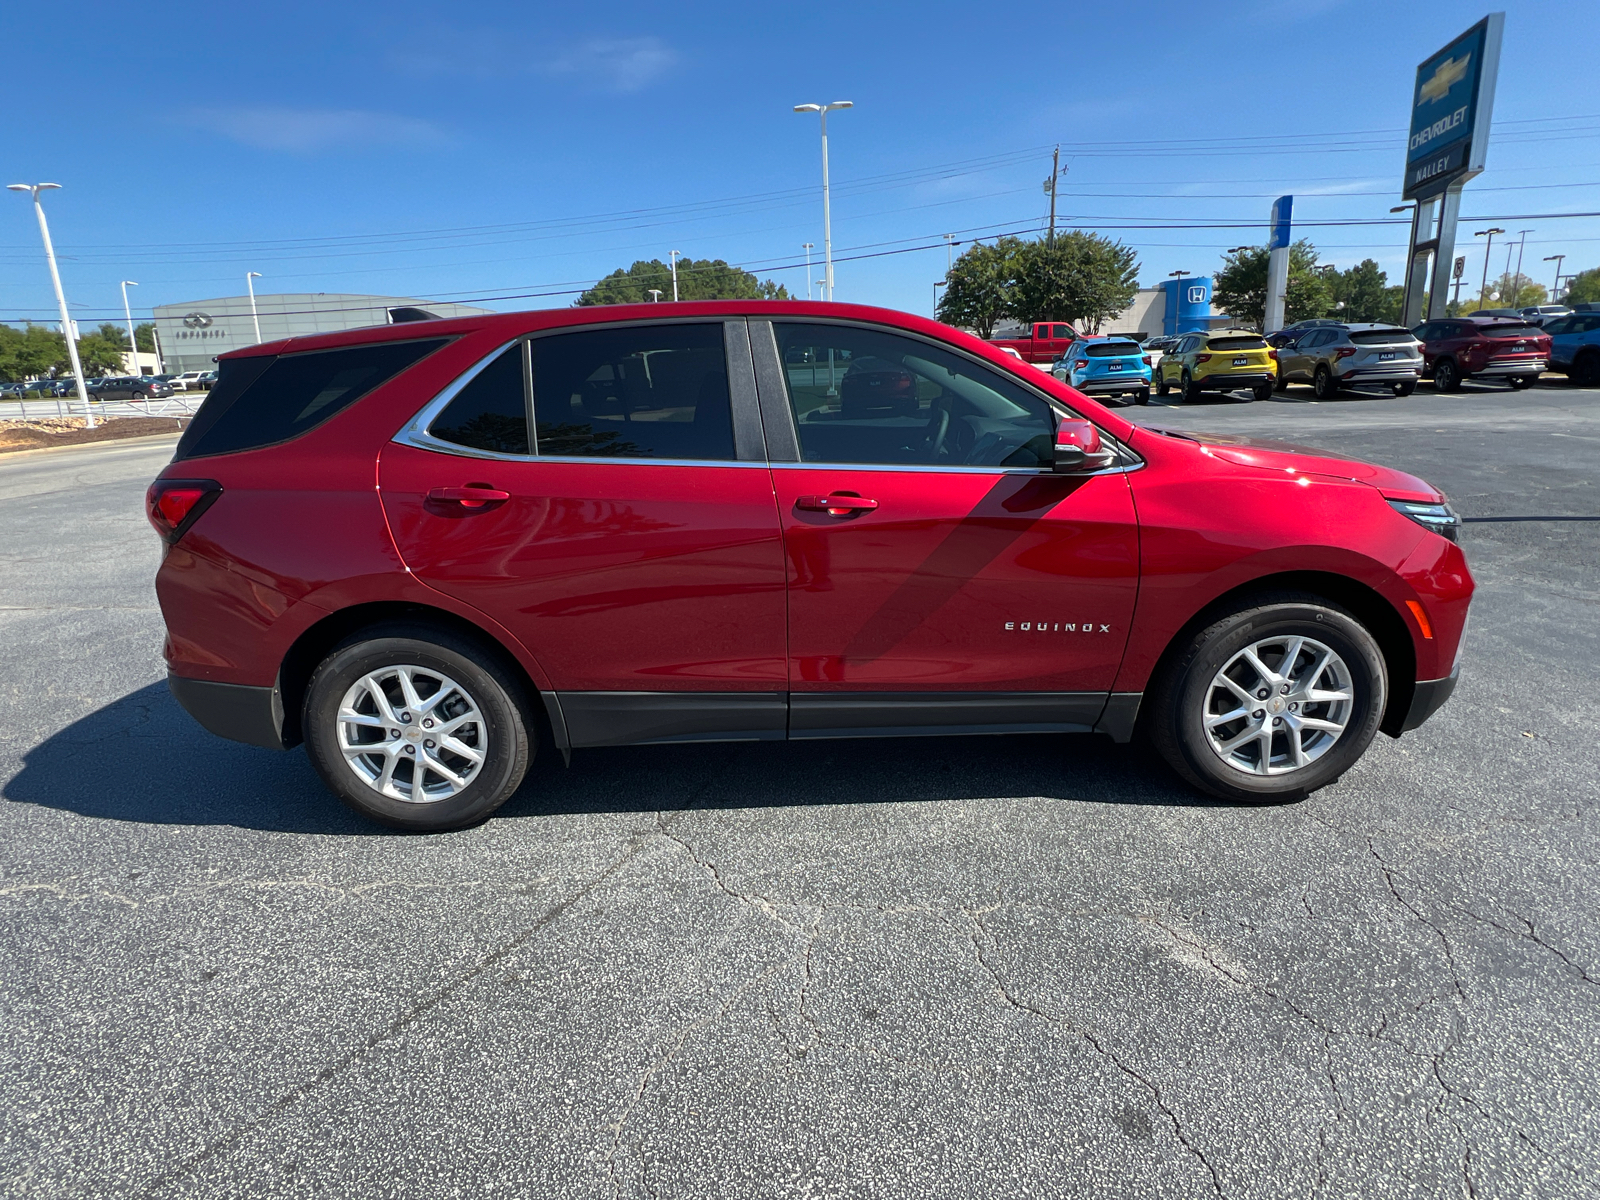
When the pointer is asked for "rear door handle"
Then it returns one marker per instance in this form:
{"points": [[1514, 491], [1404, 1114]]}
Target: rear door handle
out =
{"points": [[474, 495], [836, 504]]}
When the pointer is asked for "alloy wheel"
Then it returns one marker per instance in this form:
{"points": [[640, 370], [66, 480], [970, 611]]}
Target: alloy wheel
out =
{"points": [[1278, 705], [412, 733]]}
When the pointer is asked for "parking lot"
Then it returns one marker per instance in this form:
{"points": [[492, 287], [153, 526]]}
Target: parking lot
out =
{"points": [[985, 967]]}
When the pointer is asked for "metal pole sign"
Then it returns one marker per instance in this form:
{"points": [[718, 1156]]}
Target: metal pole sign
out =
{"points": [[1278, 263], [1451, 106], [1460, 268]]}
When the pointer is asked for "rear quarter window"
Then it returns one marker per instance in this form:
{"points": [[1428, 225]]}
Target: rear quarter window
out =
{"points": [[269, 399]]}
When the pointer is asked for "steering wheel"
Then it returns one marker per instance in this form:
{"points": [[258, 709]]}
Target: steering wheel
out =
{"points": [[933, 440]]}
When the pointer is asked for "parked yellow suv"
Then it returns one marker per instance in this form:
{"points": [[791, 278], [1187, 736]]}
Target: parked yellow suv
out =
{"points": [[1223, 360]]}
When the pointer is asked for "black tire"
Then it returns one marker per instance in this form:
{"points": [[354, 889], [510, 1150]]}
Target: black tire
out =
{"points": [[1142, 396], [1162, 386], [1263, 392], [1446, 376], [1281, 383], [1519, 382], [1324, 384], [490, 686], [1188, 392], [1404, 389], [1179, 699], [1586, 370]]}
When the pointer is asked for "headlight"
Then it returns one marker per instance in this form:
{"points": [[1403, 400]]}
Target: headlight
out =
{"points": [[1440, 518]]}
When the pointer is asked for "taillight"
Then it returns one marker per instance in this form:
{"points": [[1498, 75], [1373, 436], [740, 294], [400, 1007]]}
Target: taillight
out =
{"points": [[1273, 355], [1200, 358], [1081, 363], [175, 504], [1345, 352], [1148, 361]]}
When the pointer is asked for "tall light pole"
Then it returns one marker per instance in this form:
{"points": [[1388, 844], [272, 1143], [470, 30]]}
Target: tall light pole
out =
{"points": [[61, 298], [249, 281], [1177, 301], [1522, 244], [823, 110], [673, 255], [655, 295], [1555, 287], [937, 285], [133, 342], [1483, 291], [806, 246]]}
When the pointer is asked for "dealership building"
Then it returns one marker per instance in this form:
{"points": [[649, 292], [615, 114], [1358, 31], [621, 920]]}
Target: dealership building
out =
{"points": [[192, 334]]}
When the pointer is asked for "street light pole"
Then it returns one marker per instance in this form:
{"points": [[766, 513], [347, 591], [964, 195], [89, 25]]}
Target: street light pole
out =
{"points": [[672, 255], [937, 285], [1522, 244], [61, 298], [127, 313], [823, 110], [655, 295], [1555, 287], [249, 281], [806, 246], [1483, 291]]}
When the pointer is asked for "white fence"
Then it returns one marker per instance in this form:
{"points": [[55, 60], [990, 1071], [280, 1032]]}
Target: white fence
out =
{"points": [[179, 404]]}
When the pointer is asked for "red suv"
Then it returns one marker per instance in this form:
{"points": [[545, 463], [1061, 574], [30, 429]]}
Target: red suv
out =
{"points": [[1460, 348], [427, 550]]}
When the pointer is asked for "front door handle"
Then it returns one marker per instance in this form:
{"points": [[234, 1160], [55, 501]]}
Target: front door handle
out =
{"points": [[474, 495], [837, 504]]}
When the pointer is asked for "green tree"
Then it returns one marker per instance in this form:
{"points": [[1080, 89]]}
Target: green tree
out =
{"points": [[1362, 293], [30, 352], [977, 294], [1516, 291], [144, 337], [1584, 287], [101, 352], [1082, 277], [705, 279], [1240, 287]]}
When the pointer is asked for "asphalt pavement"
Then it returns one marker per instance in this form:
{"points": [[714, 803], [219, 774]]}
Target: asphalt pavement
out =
{"points": [[988, 967]]}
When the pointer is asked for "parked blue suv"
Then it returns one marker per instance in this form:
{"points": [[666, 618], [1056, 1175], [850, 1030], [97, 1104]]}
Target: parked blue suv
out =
{"points": [[1575, 347], [1105, 366]]}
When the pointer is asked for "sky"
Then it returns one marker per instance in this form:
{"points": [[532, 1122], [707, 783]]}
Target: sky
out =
{"points": [[511, 153]]}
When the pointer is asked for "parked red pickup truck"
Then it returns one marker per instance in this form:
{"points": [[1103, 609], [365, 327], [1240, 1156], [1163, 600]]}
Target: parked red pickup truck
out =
{"points": [[1049, 339]]}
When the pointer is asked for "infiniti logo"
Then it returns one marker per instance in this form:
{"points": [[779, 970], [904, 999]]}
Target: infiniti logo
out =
{"points": [[197, 320]]}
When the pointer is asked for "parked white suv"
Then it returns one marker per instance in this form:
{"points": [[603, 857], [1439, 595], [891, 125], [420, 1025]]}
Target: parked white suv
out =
{"points": [[188, 381]]}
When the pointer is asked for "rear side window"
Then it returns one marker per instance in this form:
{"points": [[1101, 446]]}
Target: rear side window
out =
{"points": [[263, 401], [1382, 337], [643, 391], [1237, 343], [1512, 331], [1113, 349], [491, 412]]}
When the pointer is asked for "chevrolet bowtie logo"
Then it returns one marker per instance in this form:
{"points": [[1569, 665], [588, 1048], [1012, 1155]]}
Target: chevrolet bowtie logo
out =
{"points": [[1445, 76]]}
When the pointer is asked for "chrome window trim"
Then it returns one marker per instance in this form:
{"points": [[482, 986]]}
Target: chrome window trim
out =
{"points": [[932, 470]]}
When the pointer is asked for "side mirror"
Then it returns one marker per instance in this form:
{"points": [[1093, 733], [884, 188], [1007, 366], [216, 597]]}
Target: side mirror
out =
{"points": [[1078, 449]]}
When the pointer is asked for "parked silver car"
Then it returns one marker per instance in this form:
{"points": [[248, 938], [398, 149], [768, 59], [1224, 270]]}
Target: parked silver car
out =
{"points": [[1332, 357]]}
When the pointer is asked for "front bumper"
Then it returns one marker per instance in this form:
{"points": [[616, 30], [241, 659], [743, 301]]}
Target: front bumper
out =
{"points": [[253, 715], [1429, 697]]}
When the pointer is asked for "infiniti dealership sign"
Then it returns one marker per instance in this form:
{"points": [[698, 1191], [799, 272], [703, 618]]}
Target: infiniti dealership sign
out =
{"points": [[1451, 104]]}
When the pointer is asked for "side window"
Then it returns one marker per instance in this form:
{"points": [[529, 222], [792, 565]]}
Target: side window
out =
{"points": [[491, 412], [865, 396], [641, 391], [1060, 331]]}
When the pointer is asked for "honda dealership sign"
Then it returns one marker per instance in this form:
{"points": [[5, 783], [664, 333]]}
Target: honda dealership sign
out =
{"points": [[1451, 104]]}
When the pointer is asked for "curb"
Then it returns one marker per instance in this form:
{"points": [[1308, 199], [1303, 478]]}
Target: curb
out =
{"points": [[148, 437]]}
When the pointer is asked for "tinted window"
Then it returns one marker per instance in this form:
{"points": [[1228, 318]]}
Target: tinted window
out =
{"points": [[1382, 337], [1061, 331], [1519, 330], [265, 400], [865, 396], [1112, 349], [1563, 325], [491, 412], [648, 391], [1239, 343]]}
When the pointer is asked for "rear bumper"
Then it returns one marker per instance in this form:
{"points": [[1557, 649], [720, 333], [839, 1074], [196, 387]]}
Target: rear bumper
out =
{"points": [[1114, 383], [1230, 383], [1532, 366], [1387, 373], [1428, 698], [236, 711]]}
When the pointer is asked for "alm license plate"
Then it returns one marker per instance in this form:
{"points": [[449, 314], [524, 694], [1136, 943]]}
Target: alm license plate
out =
{"points": [[1387, 357], [1241, 362], [1518, 348], [1116, 366]]}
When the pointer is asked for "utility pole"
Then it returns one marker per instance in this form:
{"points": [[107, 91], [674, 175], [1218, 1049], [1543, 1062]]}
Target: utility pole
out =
{"points": [[1050, 186], [61, 297], [949, 252], [250, 278], [133, 342], [673, 255], [806, 246], [1555, 287], [1522, 244]]}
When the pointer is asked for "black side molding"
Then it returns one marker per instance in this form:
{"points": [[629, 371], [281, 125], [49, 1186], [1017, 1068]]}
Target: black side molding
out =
{"points": [[1429, 698], [253, 715], [639, 718], [931, 714], [1120, 716]]}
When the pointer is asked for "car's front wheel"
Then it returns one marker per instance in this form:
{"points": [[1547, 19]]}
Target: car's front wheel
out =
{"points": [[1272, 701], [417, 728], [1188, 391]]}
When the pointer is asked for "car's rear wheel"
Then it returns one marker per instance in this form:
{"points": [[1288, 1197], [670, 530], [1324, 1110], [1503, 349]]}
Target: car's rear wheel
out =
{"points": [[1264, 392], [417, 728], [1142, 396], [1324, 384], [1518, 382], [1446, 376], [1272, 701], [1404, 389], [1188, 391]]}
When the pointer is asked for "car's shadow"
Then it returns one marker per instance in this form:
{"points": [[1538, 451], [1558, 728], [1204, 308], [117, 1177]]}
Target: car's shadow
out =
{"points": [[143, 759]]}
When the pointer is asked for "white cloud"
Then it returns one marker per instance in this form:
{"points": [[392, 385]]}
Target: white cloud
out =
{"points": [[619, 65], [308, 130], [613, 64]]}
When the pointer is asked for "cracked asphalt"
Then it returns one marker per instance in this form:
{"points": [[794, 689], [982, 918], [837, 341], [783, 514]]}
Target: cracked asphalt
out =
{"points": [[967, 967]]}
